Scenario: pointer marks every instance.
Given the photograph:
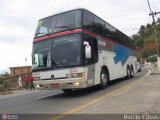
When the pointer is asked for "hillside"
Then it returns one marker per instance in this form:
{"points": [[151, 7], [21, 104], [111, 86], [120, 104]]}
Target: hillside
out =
{"points": [[146, 34]]}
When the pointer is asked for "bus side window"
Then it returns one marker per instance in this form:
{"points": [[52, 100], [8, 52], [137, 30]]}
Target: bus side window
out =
{"points": [[88, 22], [99, 26]]}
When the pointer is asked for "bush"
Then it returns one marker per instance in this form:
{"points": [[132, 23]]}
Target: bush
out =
{"points": [[152, 58], [138, 59], [7, 85]]}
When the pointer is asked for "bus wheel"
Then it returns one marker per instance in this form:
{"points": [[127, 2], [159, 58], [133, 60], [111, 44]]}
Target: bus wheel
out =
{"points": [[128, 73], [132, 72], [104, 79], [67, 90]]}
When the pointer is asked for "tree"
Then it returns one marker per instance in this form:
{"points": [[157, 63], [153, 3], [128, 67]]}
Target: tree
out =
{"points": [[158, 21], [4, 75], [141, 30], [149, 29], [146, 33], [134, 37]]}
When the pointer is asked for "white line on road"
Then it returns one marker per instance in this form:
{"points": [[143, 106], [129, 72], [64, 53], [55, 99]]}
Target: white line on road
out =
{"points": [[47, 95]]}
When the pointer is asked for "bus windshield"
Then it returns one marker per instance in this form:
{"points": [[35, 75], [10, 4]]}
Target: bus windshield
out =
{"points": [[57, 52], [60, 22]]}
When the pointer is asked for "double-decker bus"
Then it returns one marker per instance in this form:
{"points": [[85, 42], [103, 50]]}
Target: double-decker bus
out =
{"points": [[77, 49]]}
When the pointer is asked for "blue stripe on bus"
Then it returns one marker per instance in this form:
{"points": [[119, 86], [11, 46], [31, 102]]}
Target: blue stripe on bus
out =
{"points": [[122, 54]]}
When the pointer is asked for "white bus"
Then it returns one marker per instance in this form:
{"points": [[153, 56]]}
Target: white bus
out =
{"points": [[77, 49]]}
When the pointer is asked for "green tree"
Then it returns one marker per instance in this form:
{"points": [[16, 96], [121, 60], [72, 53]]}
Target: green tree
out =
{"points": [[158, 21], [5, 75], [149, 29], [141, 31]]}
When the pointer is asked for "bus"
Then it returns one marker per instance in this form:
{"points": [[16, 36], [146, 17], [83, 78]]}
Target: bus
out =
{"points": [[77, 49]]}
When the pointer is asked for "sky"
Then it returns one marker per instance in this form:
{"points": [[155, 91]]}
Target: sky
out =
{"points": [[19, 18]]}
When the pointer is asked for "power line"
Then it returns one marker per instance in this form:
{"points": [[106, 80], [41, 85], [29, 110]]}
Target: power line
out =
{"points": [[149, 6]]}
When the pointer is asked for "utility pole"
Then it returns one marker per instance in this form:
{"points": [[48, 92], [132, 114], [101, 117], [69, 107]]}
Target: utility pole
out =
{"points": [[155, 32]]}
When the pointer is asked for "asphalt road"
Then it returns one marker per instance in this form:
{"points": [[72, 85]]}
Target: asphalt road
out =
{"points": [[56, 102]]}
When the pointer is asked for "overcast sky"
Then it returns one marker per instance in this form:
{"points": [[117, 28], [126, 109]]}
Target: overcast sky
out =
{"points": [[18, 21]]}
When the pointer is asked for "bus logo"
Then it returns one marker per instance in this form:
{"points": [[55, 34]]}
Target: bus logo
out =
{"points": [[122, 54]]}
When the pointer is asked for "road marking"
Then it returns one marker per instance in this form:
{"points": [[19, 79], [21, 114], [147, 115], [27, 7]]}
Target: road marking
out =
{"points": [[47, 95], [96, 100]]}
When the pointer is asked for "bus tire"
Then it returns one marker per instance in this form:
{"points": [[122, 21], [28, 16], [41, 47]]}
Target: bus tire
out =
{"points": [[104, 78], [128, 73], [67, 90], [132, 72]]}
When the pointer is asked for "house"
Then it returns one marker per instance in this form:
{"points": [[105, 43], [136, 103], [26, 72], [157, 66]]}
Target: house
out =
{"points": [[22, 70]]}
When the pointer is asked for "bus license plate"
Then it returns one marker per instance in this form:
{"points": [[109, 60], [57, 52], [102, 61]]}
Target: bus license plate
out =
{"points": [[55, 85]]}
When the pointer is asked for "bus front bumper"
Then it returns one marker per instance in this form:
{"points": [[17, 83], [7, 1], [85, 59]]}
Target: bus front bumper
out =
{"points": [[73, 83]]}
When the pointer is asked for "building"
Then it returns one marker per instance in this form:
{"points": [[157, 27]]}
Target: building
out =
{"points": [[22, 70]]}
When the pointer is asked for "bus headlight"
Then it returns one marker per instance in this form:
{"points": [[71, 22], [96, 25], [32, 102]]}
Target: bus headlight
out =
{"points": [[76, 84], [73, 84]]}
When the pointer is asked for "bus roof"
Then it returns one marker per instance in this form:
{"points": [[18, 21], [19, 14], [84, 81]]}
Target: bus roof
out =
{"points": [[91, 13]]}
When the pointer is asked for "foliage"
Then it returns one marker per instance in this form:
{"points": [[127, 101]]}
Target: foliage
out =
{"points": [[152, 58], [4, 75], [7, 85], [146, 33], [138, 59]]}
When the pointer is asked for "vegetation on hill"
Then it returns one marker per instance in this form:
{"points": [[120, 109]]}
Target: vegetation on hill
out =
{"points": [[146, 33]]}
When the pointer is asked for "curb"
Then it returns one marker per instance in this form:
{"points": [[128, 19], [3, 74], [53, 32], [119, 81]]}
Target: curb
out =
{"points": [[154, 73], [8, 92]]}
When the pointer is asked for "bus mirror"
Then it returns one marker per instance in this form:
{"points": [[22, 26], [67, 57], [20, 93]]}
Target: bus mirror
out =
{"points": [[87, 50]]}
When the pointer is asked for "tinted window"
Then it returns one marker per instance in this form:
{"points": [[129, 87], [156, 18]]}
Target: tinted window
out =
{"points": [[107, 30], [88, 21], [57, 23], [99, 25], [110, 32], [66, 50], [41, 55], [57, 52]]}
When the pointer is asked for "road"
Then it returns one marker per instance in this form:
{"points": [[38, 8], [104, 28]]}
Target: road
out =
{"points": [[119, 97]]}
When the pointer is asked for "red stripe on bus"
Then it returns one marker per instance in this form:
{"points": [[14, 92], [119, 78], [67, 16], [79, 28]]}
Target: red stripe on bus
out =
{"points": [[77, 31], [89, 33]]}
